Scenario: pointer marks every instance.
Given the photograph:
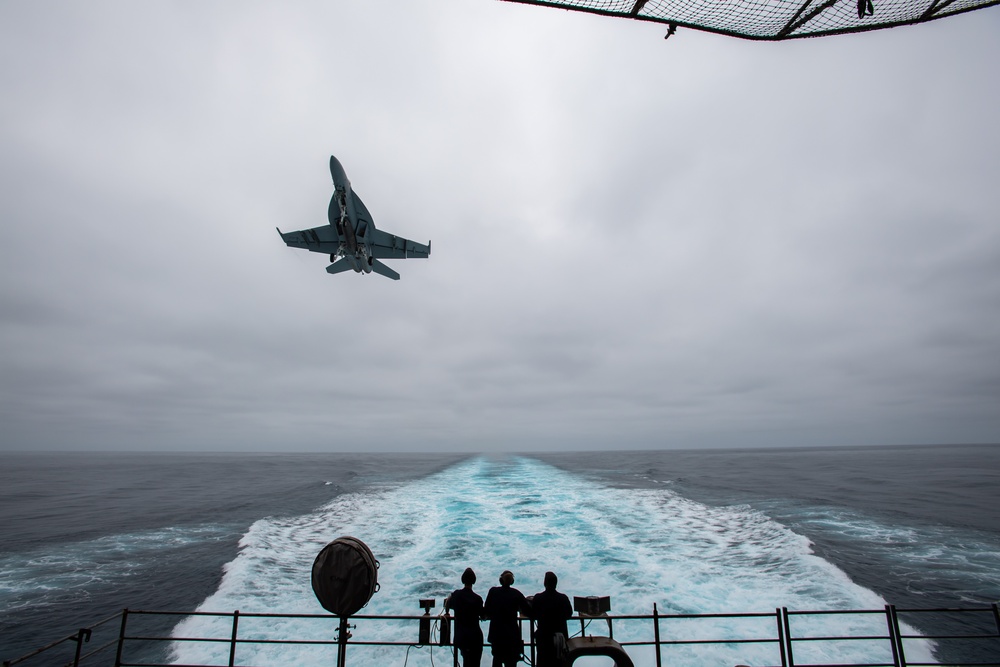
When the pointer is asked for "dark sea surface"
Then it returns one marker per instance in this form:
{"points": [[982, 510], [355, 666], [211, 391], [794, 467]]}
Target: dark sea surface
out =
{"points": [[85, 535]]}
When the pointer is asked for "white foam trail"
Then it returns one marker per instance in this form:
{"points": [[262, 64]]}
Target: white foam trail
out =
{"points": [[639, 546]]}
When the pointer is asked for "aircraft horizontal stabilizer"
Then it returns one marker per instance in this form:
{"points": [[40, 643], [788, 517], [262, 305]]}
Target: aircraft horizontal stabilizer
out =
{"points": [[383, 270], [341, 265]]}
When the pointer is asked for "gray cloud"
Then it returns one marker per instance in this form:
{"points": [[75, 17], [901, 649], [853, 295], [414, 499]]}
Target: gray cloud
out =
{"points": [[705, 242]]}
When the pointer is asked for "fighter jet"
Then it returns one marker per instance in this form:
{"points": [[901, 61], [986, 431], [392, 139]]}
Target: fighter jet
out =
{"points": [[350, 238]]}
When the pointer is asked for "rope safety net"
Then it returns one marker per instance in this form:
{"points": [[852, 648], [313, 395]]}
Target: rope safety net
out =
{"points": [[773, 20]]}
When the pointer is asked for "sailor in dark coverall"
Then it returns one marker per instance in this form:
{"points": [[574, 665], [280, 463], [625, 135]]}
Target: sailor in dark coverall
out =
{"points": [[503, 602], [468, 608], [550, 609]]}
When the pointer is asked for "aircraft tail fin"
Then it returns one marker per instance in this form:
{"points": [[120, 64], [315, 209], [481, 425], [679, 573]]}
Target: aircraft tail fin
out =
{"points": [[383, 270]]}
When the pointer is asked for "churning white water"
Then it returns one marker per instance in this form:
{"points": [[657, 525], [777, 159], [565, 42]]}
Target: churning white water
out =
{"points": [[640, 546]]}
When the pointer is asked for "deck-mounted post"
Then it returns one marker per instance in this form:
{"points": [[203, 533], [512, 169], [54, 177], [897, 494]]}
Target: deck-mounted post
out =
{"points": [[232, 641], [996, 617], [781, 637], [531, 640], [788, 637], [899, 635], [342, 636], [656, 635], [121, 638], [893, 635], [83, 635]]}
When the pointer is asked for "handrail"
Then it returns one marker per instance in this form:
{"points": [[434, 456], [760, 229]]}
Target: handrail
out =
{"points": [[80, 636], [780, 635]]}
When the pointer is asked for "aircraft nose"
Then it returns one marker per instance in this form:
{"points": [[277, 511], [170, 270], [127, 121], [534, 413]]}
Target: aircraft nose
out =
{"points": [[337, 170]]}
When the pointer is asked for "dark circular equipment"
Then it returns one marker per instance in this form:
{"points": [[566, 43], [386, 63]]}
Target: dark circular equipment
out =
{"points": [[345, 576]]}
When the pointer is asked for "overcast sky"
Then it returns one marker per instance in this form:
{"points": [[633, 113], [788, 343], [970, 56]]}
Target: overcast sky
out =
{"points": [[637, 243]]}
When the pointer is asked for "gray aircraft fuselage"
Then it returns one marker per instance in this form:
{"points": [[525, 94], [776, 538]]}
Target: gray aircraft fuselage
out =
{"points": [[344, 217]]}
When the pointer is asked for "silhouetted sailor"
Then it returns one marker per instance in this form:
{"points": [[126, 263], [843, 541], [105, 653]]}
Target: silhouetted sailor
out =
{"points": [[503, 602], [550, 609], [468, 608]]}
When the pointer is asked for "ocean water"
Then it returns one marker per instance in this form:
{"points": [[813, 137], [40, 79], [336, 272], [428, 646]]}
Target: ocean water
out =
{"points": [[692, 532]]}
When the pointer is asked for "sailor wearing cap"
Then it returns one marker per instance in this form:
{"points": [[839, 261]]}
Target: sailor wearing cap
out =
{"points": [[468, 608], [503, 603]]}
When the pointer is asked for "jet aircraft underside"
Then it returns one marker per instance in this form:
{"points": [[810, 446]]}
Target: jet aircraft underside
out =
{"points": [[350, 237]]}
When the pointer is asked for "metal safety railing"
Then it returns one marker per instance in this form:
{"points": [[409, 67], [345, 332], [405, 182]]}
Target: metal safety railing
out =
{"points": [[75, 641], [783, 638]]}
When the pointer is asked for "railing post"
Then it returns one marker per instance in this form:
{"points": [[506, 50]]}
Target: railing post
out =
{"points": [[531, 640], [121, 638], [232, 642], [899, 635], [788, 637], [996, 617], [656, 635], [893, 635], [82, 635], [781, 637]]}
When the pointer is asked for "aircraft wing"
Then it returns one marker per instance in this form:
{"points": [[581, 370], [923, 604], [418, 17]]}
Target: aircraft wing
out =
{"points": [[390, 246], [322, 239]]}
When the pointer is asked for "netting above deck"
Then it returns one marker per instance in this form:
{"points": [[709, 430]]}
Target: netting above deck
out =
{"points": [[774, 19]]}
